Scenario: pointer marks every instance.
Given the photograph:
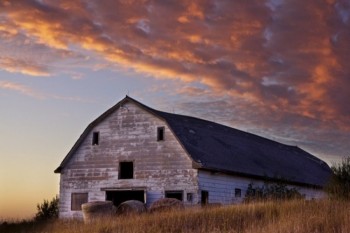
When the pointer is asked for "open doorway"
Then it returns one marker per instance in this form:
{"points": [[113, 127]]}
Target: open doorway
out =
{"points": [[119, 196], [204, 197]]}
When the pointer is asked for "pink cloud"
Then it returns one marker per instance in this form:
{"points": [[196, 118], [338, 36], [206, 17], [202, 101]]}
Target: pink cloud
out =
{"points": [[12, 86], [22, 66], [285, 58]]}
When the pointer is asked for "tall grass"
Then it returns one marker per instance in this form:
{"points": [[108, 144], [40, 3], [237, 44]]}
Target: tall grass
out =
{"points": [[290, 216]]}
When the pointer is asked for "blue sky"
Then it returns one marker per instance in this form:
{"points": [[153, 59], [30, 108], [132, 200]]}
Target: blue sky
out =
{"points": [[277, 68]]}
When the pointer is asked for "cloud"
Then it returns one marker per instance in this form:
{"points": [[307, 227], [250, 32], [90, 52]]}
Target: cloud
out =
{"points": [[21, 52], [12, 86], [286, 58], [23, 66]]}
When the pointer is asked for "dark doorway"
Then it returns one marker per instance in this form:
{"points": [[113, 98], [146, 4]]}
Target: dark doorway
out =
{"points": [[174, 194], [118, 197], [204, 197]]}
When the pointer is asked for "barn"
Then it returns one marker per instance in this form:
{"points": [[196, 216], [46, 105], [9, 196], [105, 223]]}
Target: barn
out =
{"points": [[135, 152]]}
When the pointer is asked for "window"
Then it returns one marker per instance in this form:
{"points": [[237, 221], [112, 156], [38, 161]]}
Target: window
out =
{"points": [[77, 199], [160, 134], [95, 138], [189, 197], [238, 192], [174, 194], [126, 170]]}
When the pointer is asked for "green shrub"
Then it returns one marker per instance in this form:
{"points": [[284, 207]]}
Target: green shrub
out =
{"points": [[47, 210]]}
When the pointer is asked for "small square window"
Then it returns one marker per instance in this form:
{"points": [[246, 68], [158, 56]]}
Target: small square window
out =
{"points": [[126, 170], [189, 197], [160, 134], [238, 192], [95, 138], [77, 199]]}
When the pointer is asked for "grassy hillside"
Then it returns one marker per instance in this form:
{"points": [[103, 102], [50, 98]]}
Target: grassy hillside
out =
{"points": [[291, 216]]}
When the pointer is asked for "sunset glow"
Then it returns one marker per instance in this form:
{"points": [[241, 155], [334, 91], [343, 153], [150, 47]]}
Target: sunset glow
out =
{"points": [[277, 68]]}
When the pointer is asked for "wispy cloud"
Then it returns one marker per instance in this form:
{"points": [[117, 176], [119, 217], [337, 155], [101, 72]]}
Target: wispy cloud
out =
{"points": [[23, 66], [25, 90], [12, 86]]}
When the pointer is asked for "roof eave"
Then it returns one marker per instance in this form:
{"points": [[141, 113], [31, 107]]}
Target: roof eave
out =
{"points": [[58, 170], [315, 186]]}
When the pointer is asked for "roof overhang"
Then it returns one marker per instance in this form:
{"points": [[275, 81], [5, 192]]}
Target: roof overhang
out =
{"points": [[263, 178]]}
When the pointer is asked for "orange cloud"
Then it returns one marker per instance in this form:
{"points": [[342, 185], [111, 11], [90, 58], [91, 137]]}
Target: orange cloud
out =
{"points": [[22, 66], [286, 55], [7, 30]]}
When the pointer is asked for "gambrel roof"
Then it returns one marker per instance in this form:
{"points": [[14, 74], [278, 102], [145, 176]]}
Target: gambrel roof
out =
{"points": [[219, 148]]}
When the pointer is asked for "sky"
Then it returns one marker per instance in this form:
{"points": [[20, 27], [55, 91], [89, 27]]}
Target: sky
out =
{"points": [[276, 68]]}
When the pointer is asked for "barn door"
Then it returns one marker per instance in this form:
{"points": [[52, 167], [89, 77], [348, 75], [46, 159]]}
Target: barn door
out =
{"points": [[118, 197], [204, 197]]}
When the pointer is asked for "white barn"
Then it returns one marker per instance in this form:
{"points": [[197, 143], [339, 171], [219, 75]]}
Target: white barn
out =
{"points": [[135, 152]]}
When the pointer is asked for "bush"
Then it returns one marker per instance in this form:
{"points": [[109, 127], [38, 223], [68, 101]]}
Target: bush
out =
{"points": [[271, 191], [47, 210], [339, 186]]}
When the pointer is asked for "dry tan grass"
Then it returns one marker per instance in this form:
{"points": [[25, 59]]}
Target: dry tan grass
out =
{"points": [[291, 216]]}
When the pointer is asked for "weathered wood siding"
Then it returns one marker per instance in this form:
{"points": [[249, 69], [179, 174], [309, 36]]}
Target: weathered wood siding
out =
{"points": [[221, 187], [128, 134]]}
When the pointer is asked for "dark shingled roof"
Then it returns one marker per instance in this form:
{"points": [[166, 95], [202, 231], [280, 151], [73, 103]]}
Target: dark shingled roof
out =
{"points": [[220, 148]]}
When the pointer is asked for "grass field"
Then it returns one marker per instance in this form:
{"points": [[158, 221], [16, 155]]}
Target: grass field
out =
{"points": [[289, 216]]}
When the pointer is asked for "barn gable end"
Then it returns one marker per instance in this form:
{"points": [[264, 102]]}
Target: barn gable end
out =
{"points": [[129, 133]]}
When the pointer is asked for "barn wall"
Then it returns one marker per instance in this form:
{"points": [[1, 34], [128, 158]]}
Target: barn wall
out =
{"points": [[128, 134], [221, 187]]}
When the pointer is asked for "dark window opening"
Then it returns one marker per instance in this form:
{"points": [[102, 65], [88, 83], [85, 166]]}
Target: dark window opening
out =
{"points": [[126, 170], [204, 197], [189, 197], [160, 134], [174, 194], [238, 192], [95, 138], [77, 199], [117, 197]]}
